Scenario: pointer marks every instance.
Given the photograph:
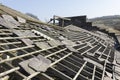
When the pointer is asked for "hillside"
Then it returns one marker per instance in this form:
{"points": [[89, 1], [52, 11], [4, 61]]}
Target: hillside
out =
{"points": [[111, 21]]}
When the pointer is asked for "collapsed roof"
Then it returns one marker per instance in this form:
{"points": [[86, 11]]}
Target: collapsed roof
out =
{"points": [[30, 49]]}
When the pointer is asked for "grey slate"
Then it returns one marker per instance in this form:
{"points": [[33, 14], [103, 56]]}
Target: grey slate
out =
{"points": [[36, 64], [42, 45], [11, 20], [7, 24], [22, 34], [40, 63], [54, 42], [24, 65], [21, 20]]}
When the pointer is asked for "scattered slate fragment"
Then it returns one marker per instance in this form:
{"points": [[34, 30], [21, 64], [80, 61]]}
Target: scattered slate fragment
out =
{"points": [[36, 64], [39, 63]]}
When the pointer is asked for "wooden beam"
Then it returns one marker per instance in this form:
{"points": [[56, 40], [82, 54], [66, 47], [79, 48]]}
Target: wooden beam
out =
{"points": [[55, 52], [24, 55], [24, 37], [16, 49], [75, 77], [5, 34], [93, 75], [58, 17], [11, 43], [9, 71]]}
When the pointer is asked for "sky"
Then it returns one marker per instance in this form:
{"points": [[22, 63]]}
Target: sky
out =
{"points": [[45, 9]]}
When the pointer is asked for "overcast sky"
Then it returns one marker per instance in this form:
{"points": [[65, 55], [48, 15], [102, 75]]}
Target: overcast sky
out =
{"points": [[45, 9]]}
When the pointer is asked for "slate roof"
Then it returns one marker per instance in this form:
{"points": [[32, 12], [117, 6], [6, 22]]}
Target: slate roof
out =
{"points": [[30, 49]]}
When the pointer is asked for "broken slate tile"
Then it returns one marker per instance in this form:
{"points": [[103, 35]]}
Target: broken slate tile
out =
{"points": [[39, 63]]}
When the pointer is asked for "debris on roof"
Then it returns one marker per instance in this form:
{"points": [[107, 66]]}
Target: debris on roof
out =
{"points": [[71, 49]]}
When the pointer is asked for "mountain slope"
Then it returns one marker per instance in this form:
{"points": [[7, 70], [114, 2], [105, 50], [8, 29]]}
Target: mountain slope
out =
{"points": [[111, 21]]}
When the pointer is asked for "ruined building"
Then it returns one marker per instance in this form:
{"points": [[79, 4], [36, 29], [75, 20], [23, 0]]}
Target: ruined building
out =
{"points": [[71, 49]]}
